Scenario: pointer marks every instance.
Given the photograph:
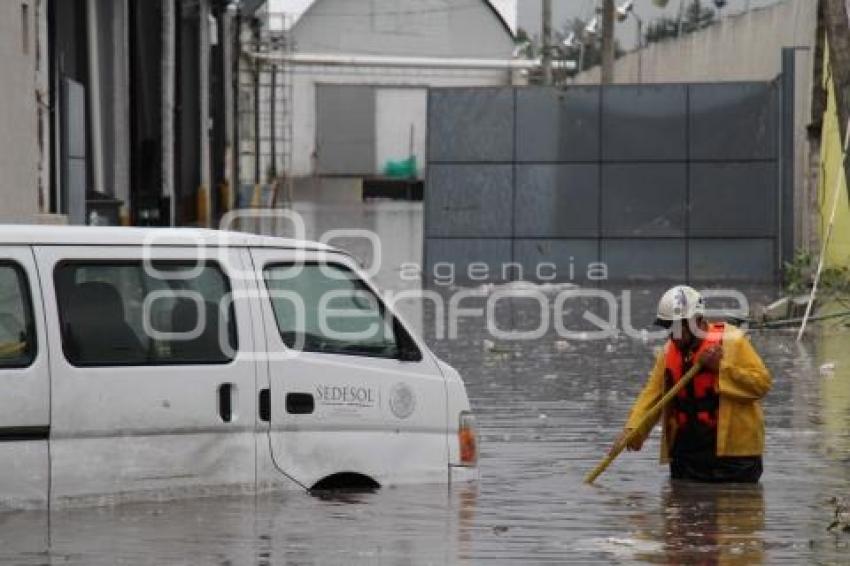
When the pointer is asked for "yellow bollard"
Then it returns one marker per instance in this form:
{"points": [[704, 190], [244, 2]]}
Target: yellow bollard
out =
{"points": [[203, 206]]}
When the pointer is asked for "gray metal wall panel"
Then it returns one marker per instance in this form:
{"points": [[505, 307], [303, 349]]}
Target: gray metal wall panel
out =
{"points": [[644, 122], [557, 125], [469, 200], [643, 199], [471, 124], [732, 260], [733, 121], [636, 259], [454, 256], [554, 200], [733, 199], [345, 129], [652, 203], [787, 157], [75, 189], [75, 106], [74, 166], [570, 258]]}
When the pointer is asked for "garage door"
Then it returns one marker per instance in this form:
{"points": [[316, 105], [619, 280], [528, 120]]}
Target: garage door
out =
{"points": [[345, 116]]}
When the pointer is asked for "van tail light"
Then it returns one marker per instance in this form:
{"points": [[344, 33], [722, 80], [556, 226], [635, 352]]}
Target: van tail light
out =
{"points": [[467, 437]]}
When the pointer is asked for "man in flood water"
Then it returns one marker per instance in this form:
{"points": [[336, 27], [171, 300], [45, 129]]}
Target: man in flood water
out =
{"points": [[713, 430]]}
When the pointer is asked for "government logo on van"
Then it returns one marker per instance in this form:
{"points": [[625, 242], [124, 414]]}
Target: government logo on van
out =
{"points": [[348, 395], [402, 400]]}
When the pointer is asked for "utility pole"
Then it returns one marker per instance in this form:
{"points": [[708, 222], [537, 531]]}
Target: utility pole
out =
{"points": [[547, 42], [608, 42]]}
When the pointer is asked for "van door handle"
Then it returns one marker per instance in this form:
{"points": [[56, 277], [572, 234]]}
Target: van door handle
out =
{"points": [[226, 401], [300, 403], [265, 405]]}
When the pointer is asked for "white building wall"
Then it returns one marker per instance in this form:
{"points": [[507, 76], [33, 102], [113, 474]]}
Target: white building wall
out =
{"points": [[304, 97], [19, 144], [436, 28]]}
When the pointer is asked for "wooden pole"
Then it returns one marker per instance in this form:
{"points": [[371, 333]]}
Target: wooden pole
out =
{"points": [[650, 416], [608, 42], [547, 43]]}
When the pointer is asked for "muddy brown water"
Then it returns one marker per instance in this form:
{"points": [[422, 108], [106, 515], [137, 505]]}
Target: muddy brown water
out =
{"points": [[547, 412]]}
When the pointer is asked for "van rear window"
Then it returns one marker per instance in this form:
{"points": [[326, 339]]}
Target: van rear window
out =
{"points": [[122, 313], [17, 332]]}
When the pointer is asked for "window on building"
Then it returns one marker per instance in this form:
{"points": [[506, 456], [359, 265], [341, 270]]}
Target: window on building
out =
{"points": [[326, 308], [17, 332], [120, 313]]}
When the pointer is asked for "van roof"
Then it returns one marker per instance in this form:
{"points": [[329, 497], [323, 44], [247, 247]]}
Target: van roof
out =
{"points": [[22, 234]]}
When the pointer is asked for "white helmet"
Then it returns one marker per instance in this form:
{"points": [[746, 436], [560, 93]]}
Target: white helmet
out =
{"points": [[679, 303]]}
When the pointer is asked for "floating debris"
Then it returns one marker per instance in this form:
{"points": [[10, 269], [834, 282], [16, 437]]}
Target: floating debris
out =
{"points": [[841, 518]]}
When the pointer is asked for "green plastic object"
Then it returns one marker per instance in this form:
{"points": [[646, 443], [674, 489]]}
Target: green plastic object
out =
{"points": [[403, 169]]}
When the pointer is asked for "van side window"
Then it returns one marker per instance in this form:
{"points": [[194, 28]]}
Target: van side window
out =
{"points": [[17, 331], [326, 308], [120, 313]]}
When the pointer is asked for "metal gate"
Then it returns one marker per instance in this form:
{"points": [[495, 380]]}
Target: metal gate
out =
{"points": [[672, 181]]}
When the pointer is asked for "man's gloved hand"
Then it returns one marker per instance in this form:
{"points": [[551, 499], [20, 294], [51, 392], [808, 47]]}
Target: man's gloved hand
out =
{"points": [[635, 444], [711, 358]]}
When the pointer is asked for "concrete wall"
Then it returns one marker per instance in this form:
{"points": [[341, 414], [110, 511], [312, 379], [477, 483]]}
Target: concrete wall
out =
{"points": [[19, 144], [737, 48], [743, 47], [439, 28]]}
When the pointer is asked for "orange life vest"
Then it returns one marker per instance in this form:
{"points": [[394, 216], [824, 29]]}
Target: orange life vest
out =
{"points": [[698, 402]]}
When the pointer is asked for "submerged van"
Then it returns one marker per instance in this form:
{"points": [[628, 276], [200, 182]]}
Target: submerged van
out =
{"points": [[142, 362]]}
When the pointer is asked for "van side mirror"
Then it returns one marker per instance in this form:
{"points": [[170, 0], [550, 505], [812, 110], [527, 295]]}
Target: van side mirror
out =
{"points": [[408, 351]]}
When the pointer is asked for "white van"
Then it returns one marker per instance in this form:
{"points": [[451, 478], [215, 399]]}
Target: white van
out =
{"points": [[142, 362]]}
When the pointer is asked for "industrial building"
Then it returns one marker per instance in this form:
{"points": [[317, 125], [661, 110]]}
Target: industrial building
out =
{"points": [[115, 110], [144, 112], [349, 81]]}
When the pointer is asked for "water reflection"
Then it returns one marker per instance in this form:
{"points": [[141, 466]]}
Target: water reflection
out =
{"points": [[707, 524]]}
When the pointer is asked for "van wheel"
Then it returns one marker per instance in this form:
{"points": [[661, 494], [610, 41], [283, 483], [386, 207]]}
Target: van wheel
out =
{"points": [[345, 481]]}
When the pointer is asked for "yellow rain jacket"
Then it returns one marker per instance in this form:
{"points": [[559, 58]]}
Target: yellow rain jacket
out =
{"points": [[743, 381]]}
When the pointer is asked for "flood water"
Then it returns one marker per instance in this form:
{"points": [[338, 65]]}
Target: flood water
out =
{"points": [[547, 410]]}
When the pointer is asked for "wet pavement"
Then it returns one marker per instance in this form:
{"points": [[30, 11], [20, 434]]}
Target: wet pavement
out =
{"points": [[547, 411]]}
